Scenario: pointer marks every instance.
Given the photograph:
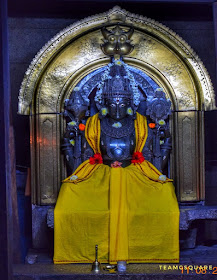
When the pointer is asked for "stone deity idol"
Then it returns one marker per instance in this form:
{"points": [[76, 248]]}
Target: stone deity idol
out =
{"points": [[116, 198]]}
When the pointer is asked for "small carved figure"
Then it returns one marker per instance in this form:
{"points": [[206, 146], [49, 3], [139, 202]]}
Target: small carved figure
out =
{"points": [[117, 41]]}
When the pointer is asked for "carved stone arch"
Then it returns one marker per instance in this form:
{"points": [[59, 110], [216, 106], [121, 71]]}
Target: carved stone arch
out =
{"points": [[74, 53]]}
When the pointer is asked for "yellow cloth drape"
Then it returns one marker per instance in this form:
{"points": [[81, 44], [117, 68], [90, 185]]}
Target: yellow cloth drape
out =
{"points": [[128, 212]]}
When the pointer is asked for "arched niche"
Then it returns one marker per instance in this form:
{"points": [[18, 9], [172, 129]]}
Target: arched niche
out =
{"points": [[74, 53]]}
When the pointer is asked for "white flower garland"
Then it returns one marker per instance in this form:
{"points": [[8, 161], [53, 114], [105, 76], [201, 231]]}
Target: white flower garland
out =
{"points": [[162, 178], [117, 125], [73, 178]]}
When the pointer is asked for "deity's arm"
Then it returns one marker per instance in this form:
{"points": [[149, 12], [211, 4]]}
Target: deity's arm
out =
{"points": [[166, 148], [68, 150], [159, 157], [147, 149], [87, 151], [75, 147]]}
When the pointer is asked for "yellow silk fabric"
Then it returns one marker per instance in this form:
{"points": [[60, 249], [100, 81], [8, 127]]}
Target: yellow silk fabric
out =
{"points": [[128, 212]]}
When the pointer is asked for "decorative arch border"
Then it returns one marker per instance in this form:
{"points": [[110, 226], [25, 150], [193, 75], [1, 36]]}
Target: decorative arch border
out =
{"points": [[150, 26]]}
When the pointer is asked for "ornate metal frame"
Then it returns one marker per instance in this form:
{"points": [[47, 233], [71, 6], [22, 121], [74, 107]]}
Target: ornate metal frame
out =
{"points": [[74, 53]]}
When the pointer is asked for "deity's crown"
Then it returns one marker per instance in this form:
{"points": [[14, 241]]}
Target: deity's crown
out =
{"points": [[117, 84], [117, 81]]}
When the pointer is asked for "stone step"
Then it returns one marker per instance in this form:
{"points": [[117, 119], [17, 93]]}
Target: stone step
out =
{"points": [[134, 272], [198, 263]]}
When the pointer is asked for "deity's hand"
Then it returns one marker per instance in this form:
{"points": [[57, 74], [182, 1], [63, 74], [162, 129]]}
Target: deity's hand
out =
{"points": [[116, 164]]}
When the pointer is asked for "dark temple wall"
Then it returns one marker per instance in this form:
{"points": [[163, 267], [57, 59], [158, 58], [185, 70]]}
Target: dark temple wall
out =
{"points": [[28, 35]]}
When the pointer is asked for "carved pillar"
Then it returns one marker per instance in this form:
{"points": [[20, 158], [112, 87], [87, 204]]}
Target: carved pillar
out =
{"points": [[46, 157], [188, 141]]}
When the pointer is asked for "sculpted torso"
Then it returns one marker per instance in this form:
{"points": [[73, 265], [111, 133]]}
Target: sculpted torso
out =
{"points": [[117, 132], [117, 144]]}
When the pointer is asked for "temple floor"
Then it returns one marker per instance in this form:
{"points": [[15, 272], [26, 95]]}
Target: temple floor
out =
{"points": [[202, 256]]}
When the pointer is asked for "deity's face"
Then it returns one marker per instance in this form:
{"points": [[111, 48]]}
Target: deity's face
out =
{"points": [[117, 107]]}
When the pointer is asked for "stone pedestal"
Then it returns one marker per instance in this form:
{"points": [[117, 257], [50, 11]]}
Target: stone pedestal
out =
{"points": [[190, 219], [42, 235]]}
